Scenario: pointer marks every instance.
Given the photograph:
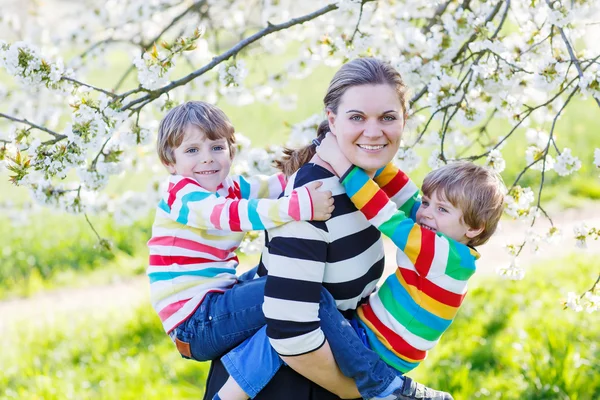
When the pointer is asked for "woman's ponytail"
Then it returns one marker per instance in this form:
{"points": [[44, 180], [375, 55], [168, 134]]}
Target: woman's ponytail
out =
{"points": [[293, 159]]}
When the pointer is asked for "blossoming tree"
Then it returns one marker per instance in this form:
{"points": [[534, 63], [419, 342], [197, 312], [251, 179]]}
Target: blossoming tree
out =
{"points": [[468, 63]]}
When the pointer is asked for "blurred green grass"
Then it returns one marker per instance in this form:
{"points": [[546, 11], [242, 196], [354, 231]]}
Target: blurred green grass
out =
{"points": [[514, 340], [511, 340]]}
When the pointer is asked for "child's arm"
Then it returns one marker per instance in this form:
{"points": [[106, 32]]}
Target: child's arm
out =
{"points": [[261, 186], [190, 204], [399, 188], [420, 245], [432, 253]]}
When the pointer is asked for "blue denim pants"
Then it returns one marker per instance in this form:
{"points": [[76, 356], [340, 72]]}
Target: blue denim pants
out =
{"points": [[254, 362], [223, 320]]}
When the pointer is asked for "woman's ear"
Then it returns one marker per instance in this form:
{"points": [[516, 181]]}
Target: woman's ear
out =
{"points": [[331, 118]]}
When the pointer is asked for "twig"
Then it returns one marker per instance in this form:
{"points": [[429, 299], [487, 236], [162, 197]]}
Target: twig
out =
{"points": [[105, 41], [64, 78], [490, 17], [271, 28], [591, 290], [58, 136], [122, 79], [438, 12], [93, 229], [362, 5], [571, 52]]}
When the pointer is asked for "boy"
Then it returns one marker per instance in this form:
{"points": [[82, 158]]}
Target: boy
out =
{"points": [[200, 223], [460, 208]]}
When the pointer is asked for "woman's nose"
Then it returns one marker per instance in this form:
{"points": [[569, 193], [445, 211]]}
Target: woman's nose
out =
{"points": [[372, 130]]}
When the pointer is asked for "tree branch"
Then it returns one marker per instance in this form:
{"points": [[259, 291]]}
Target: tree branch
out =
{"points": [[474, 35], [571, 52], [271, 28], [64, 78], [438, 12], [195, 6], [58, 136]]}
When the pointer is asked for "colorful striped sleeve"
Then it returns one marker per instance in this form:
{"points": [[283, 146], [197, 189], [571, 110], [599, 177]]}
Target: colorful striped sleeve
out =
{"points": [[189, 204], [418, 244], [261, 186], [399, 188]]}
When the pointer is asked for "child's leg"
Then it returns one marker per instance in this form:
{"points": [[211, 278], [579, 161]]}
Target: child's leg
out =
{"points": [[373, 377], [223, 321], [251, 365]]}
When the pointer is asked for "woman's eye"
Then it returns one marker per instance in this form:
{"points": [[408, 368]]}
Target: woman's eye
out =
{"points": [[389, 118], [356, 117]]}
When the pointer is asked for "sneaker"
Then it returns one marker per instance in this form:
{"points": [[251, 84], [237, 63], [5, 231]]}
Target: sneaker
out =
{"points": [[417, 391]]}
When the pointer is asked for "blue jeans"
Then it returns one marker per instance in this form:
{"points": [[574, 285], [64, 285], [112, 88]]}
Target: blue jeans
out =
{"points": [[224, 320], [254, 362]]}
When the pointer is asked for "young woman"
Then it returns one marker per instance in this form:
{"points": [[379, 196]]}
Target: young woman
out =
{"points": [[366, 110]]}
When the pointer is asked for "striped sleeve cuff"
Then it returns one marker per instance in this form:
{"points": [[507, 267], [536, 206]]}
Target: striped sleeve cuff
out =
{"points": [[298, 345], [304, 204]]}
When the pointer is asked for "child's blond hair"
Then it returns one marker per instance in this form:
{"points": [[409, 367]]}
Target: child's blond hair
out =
{"points": [[477, 191], [208, 118]]}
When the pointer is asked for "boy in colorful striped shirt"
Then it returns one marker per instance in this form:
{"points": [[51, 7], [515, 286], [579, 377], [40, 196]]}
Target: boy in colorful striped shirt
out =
{"points": [[199, 224], [460, 208]]}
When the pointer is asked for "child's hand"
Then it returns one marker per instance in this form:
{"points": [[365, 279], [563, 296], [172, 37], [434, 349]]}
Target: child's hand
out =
{"points": [[322, 201], [330, 152]]}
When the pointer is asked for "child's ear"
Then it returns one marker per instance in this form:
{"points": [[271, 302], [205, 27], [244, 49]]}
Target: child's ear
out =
{"points": [[170, 168], [473, 233]]}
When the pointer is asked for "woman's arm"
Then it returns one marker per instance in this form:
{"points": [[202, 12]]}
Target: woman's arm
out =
{"points": [[320, 367]]}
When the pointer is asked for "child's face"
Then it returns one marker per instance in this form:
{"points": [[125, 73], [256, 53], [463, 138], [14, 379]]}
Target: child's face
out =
{"points": [[439, 215], [207, 161]]}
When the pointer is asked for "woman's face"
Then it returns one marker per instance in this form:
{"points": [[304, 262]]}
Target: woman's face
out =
{"points": [[368, 125]]}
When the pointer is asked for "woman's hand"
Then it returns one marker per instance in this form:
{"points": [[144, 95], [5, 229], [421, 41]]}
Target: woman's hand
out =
{"points": [[322, 201], [330, 152]]}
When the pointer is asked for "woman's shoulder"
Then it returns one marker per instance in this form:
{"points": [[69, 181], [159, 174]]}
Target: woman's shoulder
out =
{"points": [[309, 172]]}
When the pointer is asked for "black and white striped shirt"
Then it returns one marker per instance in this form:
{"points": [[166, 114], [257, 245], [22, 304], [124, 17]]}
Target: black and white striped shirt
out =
{"points": [[343, 254]]}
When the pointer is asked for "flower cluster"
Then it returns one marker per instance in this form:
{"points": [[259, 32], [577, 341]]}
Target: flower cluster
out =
{"points": [[590, 301], [154, 67], [23, 61]]}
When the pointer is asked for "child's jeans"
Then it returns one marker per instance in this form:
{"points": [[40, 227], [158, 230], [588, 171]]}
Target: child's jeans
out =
{"points": [[254, 362], [223, 320]]}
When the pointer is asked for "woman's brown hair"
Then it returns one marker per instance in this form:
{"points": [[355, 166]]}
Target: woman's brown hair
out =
{"points": [[358, 72]]}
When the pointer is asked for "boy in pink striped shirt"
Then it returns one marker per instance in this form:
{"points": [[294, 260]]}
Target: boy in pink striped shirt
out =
{"points": [[199, 224]]}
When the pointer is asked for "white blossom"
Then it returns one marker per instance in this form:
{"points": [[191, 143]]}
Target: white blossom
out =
{"points": [[597, 158], [566, 163], [495, 161], [407, 159], [513, 271]]}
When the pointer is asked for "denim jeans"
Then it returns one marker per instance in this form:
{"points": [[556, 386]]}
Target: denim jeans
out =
{"points": [[224, 320], [254, 362]]}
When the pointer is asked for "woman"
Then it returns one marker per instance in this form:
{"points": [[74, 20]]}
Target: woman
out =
{"points": [[366, 110]]}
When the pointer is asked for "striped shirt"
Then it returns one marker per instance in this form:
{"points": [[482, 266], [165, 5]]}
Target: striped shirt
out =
{"points": [[416, 304], [196, 232], [343, 254]]}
